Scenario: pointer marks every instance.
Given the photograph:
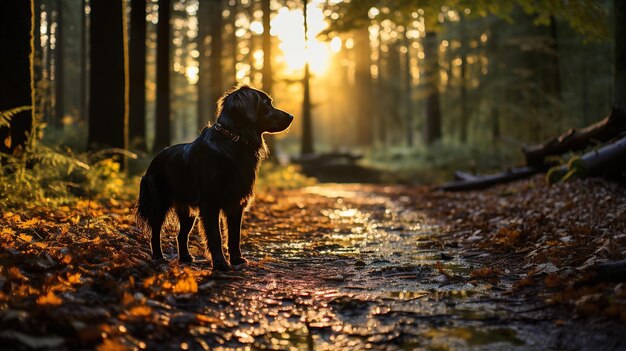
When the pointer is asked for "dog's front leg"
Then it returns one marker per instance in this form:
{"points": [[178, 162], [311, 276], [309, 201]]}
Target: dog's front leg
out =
{"points": [[233, 219], [211, 222]]}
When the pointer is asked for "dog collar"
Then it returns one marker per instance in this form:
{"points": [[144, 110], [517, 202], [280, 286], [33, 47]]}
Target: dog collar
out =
{"points": [[232, 136]]}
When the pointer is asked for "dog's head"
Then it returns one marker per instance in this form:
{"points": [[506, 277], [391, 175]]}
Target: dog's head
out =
{"points": [[245, 108]]}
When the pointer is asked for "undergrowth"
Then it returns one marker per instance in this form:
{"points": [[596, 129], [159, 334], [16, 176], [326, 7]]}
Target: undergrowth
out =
{"points": [[45, 176], [40, 175], [438, 162]]}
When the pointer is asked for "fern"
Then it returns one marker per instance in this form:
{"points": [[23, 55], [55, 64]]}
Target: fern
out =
{"points": [[7, 116]]}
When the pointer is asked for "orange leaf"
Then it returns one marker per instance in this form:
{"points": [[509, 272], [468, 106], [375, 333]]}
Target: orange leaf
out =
{"points": [[49, 299], [140, 311]]}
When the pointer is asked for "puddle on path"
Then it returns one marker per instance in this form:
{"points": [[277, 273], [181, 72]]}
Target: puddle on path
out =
{"points": [[337, 267]]}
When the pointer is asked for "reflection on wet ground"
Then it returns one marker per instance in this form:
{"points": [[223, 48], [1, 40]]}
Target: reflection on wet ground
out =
{"points": [[338, 267]]}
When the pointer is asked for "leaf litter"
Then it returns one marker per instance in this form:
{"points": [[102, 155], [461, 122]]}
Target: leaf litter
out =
{"points": [[331, 267]]}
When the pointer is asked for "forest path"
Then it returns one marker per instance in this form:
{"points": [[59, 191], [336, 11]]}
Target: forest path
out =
{"points": [[331, 267], [357, 267]]}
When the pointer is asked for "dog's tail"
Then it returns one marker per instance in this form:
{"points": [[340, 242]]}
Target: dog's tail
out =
{"points": [[147, 204]]}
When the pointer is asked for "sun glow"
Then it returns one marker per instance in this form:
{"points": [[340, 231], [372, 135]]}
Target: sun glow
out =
{"points": [[288, 27]]}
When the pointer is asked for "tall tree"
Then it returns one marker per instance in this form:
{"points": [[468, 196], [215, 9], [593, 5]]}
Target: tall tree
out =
{"points": [[408, 91], [306, 146], [59, 65], [84, 55], [268, 76], [163, 126], [108, 108], [363, 85], [138, 74], [620, 53], [16, 85], [203, 102], [267, 47], [432, 130], [217, 47]]}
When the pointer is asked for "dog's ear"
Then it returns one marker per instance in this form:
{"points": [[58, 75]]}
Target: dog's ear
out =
{"points": [[239, 107]]}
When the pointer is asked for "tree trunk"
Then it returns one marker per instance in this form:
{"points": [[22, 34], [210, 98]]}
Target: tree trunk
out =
{"points": [[163, 128], [16, 30], [575, 140], [465, 47], [620, 53], [59, 67], [138, 74], [307, 127], [363, 86], [204, 100], [84, 76], [408, 95], [432, 130], [216, 24], [267, 67], [394, 88], [234, 50], [108, 108], [267, 47], [464, 107]]}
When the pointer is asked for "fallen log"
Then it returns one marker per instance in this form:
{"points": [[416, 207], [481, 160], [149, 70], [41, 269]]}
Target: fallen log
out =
{"points": [[481, 182], [603, 131], [609, 159]]}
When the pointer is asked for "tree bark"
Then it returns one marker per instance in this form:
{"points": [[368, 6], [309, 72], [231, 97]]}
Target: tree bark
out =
{"points": [[138, 74], [234, 42], [363, 85], [108, 108], [16, 31], [267, 74], [574, 140], [307, 127], [163, 125], [470, 182], [267, 47], [204, 15], [216, 24], [432, 130], [59, 67], [84, 76], [620, 53], [408, 95]]}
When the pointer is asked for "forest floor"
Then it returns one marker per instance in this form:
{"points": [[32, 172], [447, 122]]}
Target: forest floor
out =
{"points": [[331, 267]]}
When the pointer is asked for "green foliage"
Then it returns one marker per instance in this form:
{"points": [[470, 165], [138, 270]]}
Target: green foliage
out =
{"points": [[575, 169], [5, 116], [273, 176], [45, 176], [587, 17], [438, 162]]}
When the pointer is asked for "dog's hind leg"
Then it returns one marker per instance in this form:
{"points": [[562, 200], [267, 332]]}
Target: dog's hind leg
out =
{"points": [[155, 240], [211, 223], [234, 217], [186, 225]]}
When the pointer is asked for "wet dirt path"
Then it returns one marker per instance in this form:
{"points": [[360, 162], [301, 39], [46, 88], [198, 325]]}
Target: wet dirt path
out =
{"points": [[342, 267]]}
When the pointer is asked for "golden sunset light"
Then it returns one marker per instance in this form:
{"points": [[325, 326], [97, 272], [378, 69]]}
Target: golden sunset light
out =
{"points": [[288, 27]]}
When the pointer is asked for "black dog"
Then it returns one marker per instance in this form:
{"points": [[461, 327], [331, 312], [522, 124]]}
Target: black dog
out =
{"points": [[215, 172]]}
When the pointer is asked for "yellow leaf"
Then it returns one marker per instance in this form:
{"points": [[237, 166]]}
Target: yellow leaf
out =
{"points": [[7, 141], [73, 278], [112, 345], [29, 223], [26, 237], [140, 311], [49, 299]]}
